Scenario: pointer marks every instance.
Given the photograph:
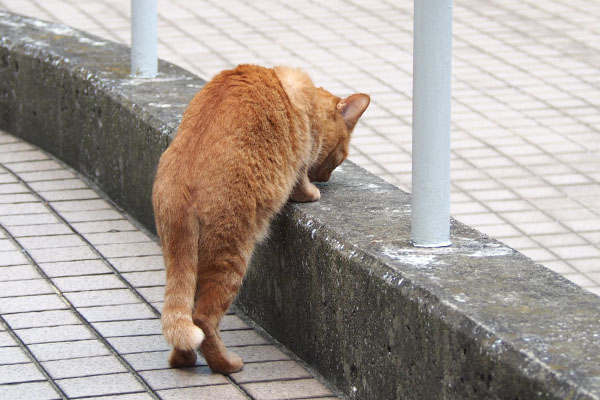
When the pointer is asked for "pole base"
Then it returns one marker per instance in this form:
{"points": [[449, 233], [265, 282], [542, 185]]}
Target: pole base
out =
{"points": [[431, 245]]}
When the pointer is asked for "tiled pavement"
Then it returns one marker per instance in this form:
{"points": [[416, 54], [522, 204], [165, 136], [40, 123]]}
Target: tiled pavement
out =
{"points": [[526, 97], [81, 288]]}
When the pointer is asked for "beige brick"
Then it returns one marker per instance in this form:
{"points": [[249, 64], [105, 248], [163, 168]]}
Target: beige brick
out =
{"points": [[575, 252], [23, 208], [580, 280], [560, 267], [203, 392], [270, 371], [46, 175], [24, 288], [80, 205], [54, 334], [522, 217], [100, 385], [481, 220], [36, 390], [40, 230], [181, 378], [586, 225], [15, 198], [7, 245], [539, 255], [12, 188], [586, 265], [287, 389], [129, 249], [116, 237], [500, 231], [121, 225], [260, 353], [74, 194], [77, 367], [28, 219], [138, 263], [50, 242], [63, 254], [45, 165], [559, 239], [91, 215], [22, 156], [79, 267], [62, 184], [494, 194], [541, 228]]}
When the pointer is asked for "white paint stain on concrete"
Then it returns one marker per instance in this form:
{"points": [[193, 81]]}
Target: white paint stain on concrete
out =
{"points": [[412, 258], [86, 40]]}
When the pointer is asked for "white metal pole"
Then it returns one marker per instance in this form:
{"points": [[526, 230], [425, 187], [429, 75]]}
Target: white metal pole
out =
{"points": [[432, 56], [144, 58]]}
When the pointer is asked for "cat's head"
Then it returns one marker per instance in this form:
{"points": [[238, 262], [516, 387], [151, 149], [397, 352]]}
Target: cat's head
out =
{"points": [[336, 118]]}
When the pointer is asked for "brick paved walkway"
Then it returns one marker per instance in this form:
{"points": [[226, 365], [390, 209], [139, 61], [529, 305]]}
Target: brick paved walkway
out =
{"points": [[526, 97], [80, 293]]}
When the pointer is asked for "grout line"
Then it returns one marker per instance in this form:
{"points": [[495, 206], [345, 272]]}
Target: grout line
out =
{"points": [[70, 305], [556, 34], [516, 163], [118, 274], [29, 354], [288, 353], [74, 310], [525, 139], [86, 242], [523, 234]]}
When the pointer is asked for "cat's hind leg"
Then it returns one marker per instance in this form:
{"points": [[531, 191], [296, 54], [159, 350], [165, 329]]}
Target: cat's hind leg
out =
{"points": [[217, 285], [180, 249]]}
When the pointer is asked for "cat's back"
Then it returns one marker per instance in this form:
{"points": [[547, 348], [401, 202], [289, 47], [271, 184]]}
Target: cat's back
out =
{"points": [[240, 137], [234, 102]]}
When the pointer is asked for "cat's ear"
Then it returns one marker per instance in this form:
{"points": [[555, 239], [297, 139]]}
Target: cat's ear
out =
{"points": [[353, 107]]}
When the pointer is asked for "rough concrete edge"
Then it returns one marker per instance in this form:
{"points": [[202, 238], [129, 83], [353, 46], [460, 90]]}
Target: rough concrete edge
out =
{"points": [[87, 110], [424, 288]]}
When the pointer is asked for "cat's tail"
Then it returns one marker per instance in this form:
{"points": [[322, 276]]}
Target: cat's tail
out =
{"points": [[180, 248]]}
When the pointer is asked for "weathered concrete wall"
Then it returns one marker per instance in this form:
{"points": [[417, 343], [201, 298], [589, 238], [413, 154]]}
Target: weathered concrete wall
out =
{"points": [[337, 282]]}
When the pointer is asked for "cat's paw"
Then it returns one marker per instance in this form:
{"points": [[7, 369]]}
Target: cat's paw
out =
{"points": [[305, 193], [182, 358], [218, 358], [228, 364]]}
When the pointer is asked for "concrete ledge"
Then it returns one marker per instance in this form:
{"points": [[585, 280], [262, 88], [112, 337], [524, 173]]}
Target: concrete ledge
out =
{"points": [[337, 282], [70, 93]]}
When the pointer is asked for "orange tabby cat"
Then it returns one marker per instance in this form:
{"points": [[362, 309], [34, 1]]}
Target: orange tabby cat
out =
{"points": [[249, 140]]}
